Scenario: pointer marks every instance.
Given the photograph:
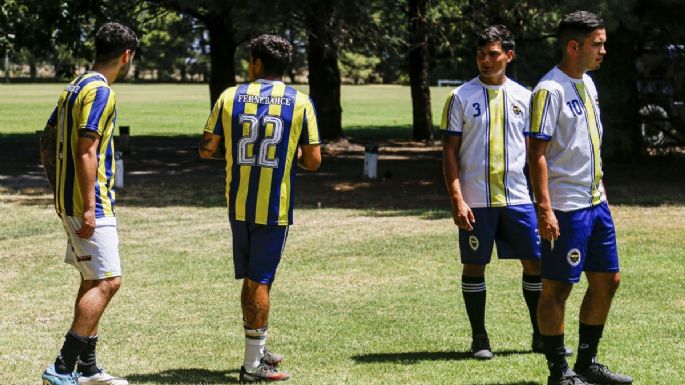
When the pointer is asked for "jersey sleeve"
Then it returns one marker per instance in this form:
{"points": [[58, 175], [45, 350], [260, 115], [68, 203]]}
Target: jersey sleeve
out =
{"points": [[214, 122], [310, 126], [451, 122], [52, 120], [97, 109], [544, 111]]}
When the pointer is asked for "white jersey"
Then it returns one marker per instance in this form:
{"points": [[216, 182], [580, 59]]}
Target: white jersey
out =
{"points": [[565, 112], [491, 121]]}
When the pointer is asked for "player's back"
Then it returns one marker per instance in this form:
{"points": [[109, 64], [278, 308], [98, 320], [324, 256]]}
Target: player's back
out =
{"points": [[86, 103], [263, 123]]}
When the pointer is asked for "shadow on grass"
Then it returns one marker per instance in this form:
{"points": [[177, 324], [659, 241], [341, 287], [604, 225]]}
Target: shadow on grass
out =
{"points": [[187, 376], [414, 357], [509, 383], [164, 171]]}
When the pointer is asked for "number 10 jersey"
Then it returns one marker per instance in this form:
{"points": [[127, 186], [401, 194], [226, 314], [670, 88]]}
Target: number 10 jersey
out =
{"points": [[262, 123]]}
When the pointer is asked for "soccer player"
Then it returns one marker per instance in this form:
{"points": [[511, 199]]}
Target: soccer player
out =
{"points": [[573, 215], [77, 151], [484, 153], [268, 128]]}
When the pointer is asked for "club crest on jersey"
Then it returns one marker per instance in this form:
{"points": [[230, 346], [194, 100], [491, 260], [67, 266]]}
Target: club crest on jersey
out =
{"points": [[517, 110], [573, 257], [474, 243]]}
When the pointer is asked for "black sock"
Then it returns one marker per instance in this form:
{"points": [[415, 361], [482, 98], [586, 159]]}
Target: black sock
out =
{"points": [[588, 340], [473, 290], [66, 360], [555, 352], [86, 360], [532, 285]]}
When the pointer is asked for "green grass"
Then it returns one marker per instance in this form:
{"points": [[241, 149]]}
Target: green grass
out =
{"points": [[182, 109], [362, 297]]}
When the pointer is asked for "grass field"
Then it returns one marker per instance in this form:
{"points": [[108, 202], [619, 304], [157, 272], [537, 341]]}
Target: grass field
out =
{"points": [[182, 109], [364, 295]]}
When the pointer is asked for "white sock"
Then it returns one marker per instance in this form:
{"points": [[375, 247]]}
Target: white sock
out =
{"points": [[255, 339]]}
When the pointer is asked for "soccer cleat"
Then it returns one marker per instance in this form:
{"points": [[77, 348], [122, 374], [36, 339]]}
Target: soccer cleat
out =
{"points": [[263, 372], [480, 347], [538, 346], [568, 378], [600, 374], [271, 358], [51, 377], [101, 378]]}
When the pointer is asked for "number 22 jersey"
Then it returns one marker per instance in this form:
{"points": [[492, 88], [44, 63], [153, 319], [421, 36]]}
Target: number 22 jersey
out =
{"points": [[262, 123]]}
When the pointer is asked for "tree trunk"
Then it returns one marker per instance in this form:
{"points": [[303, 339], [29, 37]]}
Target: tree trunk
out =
{"points": [[324, 74], [222, 52], [418, 71]]}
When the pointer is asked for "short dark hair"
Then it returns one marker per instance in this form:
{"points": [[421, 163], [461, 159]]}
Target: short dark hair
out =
{"points": [[496, 33], [577, 26], [274, 51], [113, 39]]}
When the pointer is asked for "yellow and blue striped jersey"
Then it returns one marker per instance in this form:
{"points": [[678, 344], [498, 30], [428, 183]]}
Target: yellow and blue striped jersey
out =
{"points": [[491, 121], [86, 103], [262, 123], [565, 112]]}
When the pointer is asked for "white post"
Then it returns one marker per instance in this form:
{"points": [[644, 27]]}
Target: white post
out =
{"points": [[118, 170], [371, 161]]}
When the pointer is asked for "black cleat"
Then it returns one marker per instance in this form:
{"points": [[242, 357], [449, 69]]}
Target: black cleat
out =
{"points": [[537, 346], [480, 347], [568, 378], [600, 374]]}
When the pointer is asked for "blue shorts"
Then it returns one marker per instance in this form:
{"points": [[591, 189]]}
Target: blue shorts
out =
{"points": [[257, 250], [587, 242], [514, 229]]}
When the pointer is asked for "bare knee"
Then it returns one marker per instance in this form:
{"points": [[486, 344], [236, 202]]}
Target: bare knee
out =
{"points": [[554, 292], [603, 284], [108, 286], [531, 266], [471, 270]]}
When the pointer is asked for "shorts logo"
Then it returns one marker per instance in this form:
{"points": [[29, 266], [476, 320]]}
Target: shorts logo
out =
{"points": [[517, 110], [473, 242], [85, 258], [573, 257]]}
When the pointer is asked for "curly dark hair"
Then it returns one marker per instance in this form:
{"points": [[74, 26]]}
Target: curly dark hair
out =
{"points": [[113, 39], [275, 52], [577, 26], [496, 33]]}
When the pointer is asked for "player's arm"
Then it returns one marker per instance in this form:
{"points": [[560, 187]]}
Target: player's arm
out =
{"points": [[48, 156], [309, 156], [461, 212], [537, 163], [86, 171], [209, 147]]}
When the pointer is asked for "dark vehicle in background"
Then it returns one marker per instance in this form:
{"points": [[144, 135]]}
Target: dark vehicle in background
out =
{"points": [[661, 92]]}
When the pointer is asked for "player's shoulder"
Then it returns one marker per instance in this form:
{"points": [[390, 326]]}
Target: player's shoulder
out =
{"points": [[467, 89], [551, 82], [587, 79], [517, 89]]}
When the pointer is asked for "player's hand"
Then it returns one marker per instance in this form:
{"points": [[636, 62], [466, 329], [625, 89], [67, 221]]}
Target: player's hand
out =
{"points": [[88, 227], [463, 216], [548, 226]]}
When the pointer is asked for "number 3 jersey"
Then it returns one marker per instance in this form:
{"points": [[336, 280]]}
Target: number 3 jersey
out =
{"points": [[262, 124], [565, 112], [491, 121]]}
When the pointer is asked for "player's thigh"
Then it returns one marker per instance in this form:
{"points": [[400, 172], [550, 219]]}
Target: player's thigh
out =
{"points": [[98, 256], [475, 246], [565, 260], [266, 248], [517, 233], [602, 253], [240, 236]]}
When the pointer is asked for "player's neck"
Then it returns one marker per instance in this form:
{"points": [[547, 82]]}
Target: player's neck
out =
{"points": [[498, 81], [571, 69], [108, 72]]}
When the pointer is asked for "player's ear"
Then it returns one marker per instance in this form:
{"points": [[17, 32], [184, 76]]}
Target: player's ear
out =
{"points": [[573, 47], [127, 56], [511, 55]]}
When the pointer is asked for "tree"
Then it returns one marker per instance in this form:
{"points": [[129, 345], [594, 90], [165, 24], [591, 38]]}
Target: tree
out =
{"points": [[418, 70]]}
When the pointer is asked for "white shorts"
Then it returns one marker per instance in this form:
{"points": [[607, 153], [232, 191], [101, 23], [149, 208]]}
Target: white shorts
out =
{"points": [[97, 257]]}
